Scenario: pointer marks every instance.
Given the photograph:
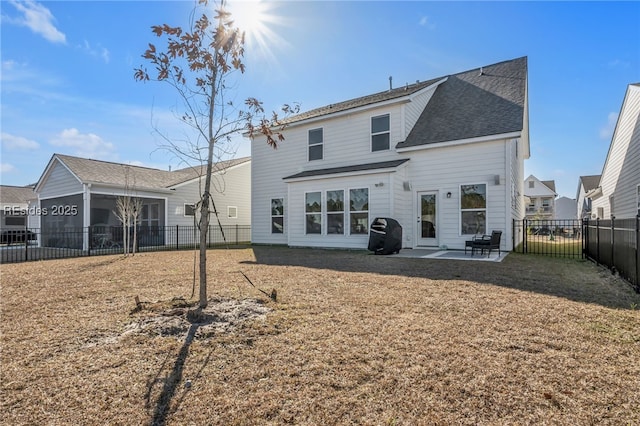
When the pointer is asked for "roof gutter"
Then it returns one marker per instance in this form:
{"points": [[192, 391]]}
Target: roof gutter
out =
{"points": [[460, 142]]}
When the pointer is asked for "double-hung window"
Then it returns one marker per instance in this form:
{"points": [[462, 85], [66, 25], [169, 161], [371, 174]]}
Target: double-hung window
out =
{"points": [[473, 209], [335, 212], [359, 211], [316, 138], [189, 209], [380, 133], [277, 215], [313, 212]]}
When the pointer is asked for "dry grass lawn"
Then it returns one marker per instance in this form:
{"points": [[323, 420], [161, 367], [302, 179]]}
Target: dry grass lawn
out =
{"points": [[352, 339]]}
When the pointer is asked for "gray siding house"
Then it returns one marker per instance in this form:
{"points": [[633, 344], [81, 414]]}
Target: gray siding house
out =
{"points": [[77, 193]]}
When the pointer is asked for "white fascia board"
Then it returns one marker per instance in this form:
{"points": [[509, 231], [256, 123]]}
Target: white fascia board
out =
{"points": [[129, 191], [341, 175], [594, 193], [461, 142]]}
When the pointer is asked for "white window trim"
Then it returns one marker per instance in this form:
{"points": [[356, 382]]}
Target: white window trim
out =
{"points": [[315, 144], [486, 208], [327, 213], [348, 210], [184, 210], [229, 210], [321, 212], [638, 199], [372, 134], [271, 216]]}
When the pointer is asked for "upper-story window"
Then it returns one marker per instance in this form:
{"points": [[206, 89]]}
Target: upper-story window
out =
{"points": [[315, 144], [380, 133], [532, 184]]}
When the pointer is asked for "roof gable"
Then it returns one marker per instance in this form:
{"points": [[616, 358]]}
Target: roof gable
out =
{"points": [[477, 103], [122, 175]]}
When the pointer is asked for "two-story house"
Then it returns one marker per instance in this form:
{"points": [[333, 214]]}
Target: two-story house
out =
{"points": [[444, 157], [541, 195], [618, 192]]}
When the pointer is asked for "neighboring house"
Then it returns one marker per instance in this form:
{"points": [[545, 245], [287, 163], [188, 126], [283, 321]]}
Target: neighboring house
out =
{"points": [[15, 204], [586, 184], [443, 157], [75, 193], [566, 208], [618, 193], [541, 195]]}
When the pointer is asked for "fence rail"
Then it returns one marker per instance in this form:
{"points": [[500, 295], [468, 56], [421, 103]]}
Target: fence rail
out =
{"points": [[615, 243], [557, 238], [36, 244]]}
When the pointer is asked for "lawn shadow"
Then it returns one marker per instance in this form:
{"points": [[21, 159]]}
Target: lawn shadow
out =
{"points": [[172, 382], [572, 279]]}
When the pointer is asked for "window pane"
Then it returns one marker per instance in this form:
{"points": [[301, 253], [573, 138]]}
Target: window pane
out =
{"points": [[313, 202], [359, 199], [474, 222], [359, 223], [335, 223], [15, 221], [277, 225], [189, 210], [315, 152], [155, 211], [315, 136], [380, 124], [335, 201], [473, 196], [314, 223], [277, 207], [380, 142]]}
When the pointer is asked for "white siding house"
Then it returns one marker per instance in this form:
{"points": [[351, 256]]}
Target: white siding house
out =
{"points": [[16, 212], [541, 195], [444, 157], [618, 193], [585, 185], [77, 193]]}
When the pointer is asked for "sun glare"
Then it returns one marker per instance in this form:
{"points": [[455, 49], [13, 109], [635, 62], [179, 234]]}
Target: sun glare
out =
{"points": [[257, 19]]}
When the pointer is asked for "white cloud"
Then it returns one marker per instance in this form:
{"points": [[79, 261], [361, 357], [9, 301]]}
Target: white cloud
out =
{"points": [[426, 22], [606, 131], [38, 19], [15, 143], [97, 52], [84, 144], [6, 168]]}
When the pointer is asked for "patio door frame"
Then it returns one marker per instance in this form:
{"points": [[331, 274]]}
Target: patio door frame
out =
{"points": [[420, 241]]}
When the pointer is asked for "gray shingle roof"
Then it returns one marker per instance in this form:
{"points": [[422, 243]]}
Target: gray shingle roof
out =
{"points": [[347, 169], [16, 194], [590, 182], [475, 103], [105, 172], [387, 95], [551, 184]]}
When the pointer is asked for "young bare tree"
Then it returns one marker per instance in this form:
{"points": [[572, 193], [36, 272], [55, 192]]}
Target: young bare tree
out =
{"points": [[197, 63], [136, 209], [123, 213]]}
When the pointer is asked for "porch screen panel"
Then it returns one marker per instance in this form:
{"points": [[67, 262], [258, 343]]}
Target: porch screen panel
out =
{"points": [[61, 222]]}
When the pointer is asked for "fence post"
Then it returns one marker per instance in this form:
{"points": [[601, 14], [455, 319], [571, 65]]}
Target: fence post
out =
{"points": [[584, 233], [638, 254], [26, 240], [525, 236], [598, 240], [236, 234], [177, 237], [613, 240]]}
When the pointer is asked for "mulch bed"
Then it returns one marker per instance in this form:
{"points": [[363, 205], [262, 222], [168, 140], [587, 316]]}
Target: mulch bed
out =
{"points": [[351, 339]]}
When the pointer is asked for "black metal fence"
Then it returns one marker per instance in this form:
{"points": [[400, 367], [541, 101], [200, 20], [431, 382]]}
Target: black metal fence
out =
{"points": [[558, 238], [615, 243], [34, 244]]}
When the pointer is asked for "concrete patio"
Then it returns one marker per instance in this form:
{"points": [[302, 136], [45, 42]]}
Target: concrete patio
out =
{"points": [[424, 253]]}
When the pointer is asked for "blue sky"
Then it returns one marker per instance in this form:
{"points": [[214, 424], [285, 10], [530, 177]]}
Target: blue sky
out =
{"points": [[67, 81]]}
